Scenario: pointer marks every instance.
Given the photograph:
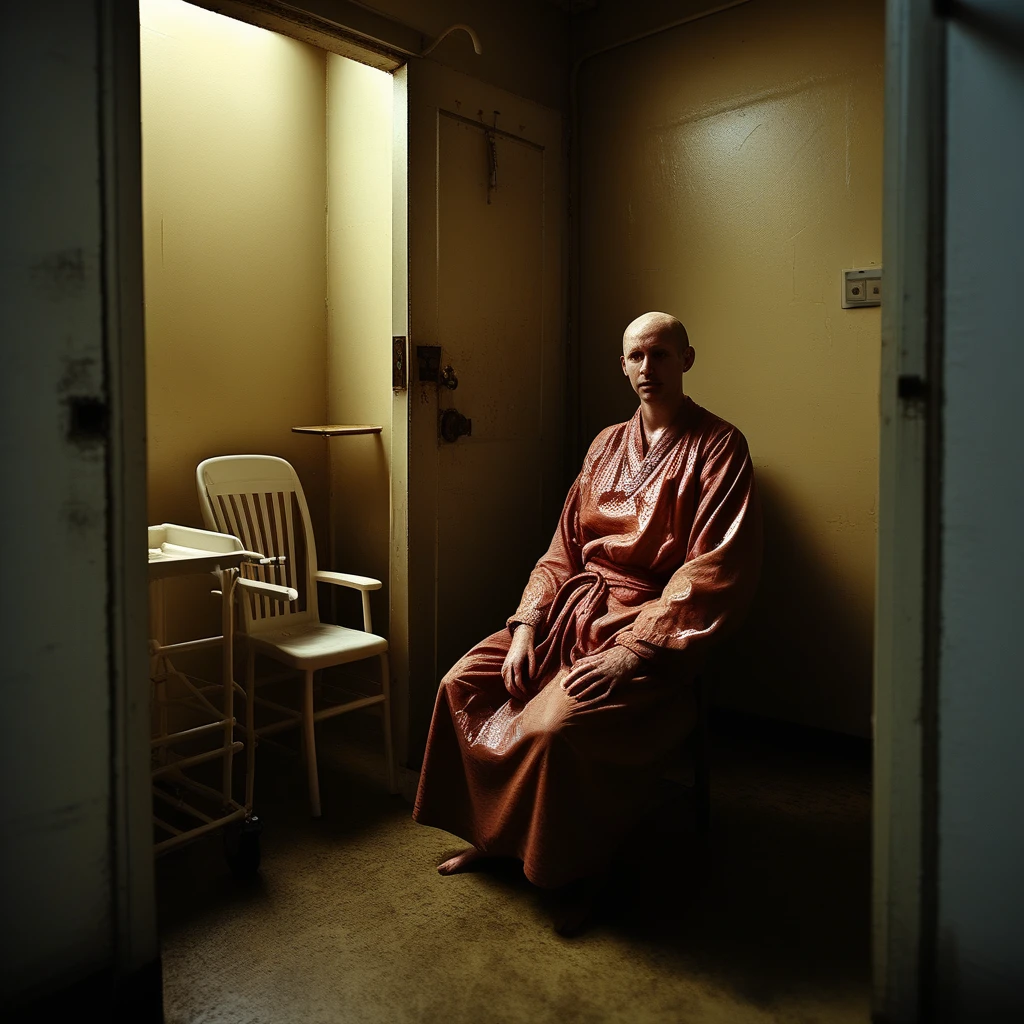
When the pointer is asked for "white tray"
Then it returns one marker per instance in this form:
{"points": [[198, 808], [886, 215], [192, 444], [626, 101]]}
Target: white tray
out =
{"points": [[183, 550]]}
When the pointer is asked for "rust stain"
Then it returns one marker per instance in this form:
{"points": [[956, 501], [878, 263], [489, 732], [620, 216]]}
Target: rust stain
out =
{"points": [[79, 516], [62, 271], [78, 373], [88, 420]]}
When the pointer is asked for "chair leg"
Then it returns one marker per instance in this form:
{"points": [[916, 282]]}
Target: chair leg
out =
{"points": [[389, 753], [250, 724], [308, 725], [702, 759]]}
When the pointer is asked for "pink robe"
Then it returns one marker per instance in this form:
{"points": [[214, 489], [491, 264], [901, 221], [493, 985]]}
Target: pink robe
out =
{"points": [[658, 552]]}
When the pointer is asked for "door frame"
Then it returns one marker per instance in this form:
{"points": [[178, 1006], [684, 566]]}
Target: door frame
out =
{"points": [[907, 624], [423, 91], [137, 954], [138, 988], [905, 726]]}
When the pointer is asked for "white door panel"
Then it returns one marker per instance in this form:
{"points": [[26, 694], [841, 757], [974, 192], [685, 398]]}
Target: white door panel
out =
{"points": [[485, 285]]}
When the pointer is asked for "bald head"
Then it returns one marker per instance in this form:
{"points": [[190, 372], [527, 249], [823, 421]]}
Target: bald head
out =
{"points": [[660, 325], [655, 354]]}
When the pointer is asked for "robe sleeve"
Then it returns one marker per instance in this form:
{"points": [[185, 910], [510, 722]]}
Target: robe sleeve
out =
{"points": [[562, 561], [713, 587]]}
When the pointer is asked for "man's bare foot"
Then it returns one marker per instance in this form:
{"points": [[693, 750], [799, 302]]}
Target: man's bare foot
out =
{"points": [[464, 861]]}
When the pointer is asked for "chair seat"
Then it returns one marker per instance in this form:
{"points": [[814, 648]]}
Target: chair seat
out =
{"points": [[315, 645]]}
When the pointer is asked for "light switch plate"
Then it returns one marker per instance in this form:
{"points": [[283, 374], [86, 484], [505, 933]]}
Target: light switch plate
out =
{"points": [[862, 287]]}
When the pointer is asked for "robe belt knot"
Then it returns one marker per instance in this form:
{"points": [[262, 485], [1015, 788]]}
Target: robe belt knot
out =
{"points": [[616, 578]]}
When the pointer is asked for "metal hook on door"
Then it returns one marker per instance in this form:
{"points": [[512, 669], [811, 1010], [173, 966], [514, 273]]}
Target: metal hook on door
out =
{"points": [[492, 166]]}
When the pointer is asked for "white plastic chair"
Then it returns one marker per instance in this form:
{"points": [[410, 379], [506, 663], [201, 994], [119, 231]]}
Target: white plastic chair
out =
{"points": [[259, 499]]}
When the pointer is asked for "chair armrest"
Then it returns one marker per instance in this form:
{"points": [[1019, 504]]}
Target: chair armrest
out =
{"points": [[344, 579], [362, 583], [269, 589]]}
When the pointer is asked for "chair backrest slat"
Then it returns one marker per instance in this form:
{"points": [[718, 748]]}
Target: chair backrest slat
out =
{"points": [[259, 499], [269, 540], [286, 502], [230, 520], [237, 508]]}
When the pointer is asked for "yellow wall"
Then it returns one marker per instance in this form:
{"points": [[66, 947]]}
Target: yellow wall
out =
{"points": [[234, 185], [730, 169], [359, 133]]}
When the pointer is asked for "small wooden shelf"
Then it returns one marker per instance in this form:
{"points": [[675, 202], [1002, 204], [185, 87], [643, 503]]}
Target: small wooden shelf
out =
{"points": [[338, 429]]}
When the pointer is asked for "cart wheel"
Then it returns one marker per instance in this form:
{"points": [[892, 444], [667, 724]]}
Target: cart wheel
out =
{"points": [[242, 847]]}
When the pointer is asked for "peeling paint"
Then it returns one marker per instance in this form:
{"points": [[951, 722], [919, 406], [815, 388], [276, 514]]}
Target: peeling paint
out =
{"points": [[78, 374], [88, 420], [62, 272], [79, 516]]}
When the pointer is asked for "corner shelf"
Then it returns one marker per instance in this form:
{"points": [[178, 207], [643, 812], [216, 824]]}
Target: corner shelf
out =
{"points": [[338, 429]]}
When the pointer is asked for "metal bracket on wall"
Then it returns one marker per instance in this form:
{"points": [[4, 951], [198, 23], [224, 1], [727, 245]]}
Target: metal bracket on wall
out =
{"points": [[428, 360]]}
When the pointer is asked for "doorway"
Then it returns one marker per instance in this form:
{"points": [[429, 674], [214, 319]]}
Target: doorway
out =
{"points": [[481, 131], [267, 272]]}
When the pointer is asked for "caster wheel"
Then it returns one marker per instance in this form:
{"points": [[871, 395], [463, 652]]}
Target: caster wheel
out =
{"points": [[242, 848]]}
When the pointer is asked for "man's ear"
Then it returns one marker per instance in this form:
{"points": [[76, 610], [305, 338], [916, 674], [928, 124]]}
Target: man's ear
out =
{"points": [[622, 363], [688, 357]]}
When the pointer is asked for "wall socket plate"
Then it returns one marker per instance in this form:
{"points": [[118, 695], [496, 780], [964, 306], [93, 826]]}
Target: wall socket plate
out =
{"points": [[862, 287]]}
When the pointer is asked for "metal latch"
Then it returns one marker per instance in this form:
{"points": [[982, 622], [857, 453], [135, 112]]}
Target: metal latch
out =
{"points": [[452, 425]]}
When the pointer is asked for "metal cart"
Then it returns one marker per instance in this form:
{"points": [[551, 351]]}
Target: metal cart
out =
{"points": [[183, 551]]}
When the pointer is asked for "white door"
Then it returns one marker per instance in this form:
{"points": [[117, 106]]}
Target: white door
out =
{"points": [[485, 219]]}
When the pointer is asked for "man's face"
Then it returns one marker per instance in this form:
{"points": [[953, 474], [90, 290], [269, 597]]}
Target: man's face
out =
{"points": [[654, 364]]}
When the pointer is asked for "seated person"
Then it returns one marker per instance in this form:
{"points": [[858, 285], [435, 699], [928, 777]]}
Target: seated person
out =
{"points": [[548, 737]]}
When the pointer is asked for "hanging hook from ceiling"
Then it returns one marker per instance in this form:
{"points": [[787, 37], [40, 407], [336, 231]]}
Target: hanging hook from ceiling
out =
{"points": [[460, 26]]}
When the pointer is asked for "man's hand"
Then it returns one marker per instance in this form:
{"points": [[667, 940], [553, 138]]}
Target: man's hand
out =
{"points": [[596, 676], [520, 663]]}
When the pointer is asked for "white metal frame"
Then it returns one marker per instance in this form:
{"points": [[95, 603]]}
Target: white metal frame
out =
{"points": [[179, 551]]}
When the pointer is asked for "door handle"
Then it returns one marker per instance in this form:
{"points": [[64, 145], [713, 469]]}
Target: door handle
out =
{"points": [[452, 425]]}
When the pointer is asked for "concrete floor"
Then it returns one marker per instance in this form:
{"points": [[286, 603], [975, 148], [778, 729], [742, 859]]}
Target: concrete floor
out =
{"points": [[766, 921]]}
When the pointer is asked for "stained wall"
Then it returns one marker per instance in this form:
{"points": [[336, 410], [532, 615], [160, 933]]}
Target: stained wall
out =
{"points": [[58, 850]]}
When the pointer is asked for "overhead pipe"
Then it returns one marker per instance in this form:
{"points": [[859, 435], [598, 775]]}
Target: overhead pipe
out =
{"points": [[456, 28]]}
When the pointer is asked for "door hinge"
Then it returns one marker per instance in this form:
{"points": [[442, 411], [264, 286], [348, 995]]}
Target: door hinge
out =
{"points": [[399, 368]]}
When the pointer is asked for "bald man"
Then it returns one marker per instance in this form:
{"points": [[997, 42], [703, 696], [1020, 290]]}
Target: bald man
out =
{"points": [[548, 737]]}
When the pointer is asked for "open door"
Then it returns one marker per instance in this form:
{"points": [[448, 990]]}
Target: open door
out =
{"points": [[485, 299]]}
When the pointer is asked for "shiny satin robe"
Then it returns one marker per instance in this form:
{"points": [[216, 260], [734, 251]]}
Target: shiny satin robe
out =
{"points": [[657, 550]]}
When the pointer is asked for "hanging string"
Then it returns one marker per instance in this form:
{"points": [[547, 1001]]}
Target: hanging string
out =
{"points": [[492, 166]]}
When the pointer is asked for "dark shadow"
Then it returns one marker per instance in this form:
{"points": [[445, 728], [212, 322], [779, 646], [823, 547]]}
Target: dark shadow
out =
{"points": [[777, 896], [804, 652], [773, 902], [194, 882]]}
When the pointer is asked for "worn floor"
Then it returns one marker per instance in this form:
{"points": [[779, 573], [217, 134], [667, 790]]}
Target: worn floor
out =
{"points": [[348, 921]]}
